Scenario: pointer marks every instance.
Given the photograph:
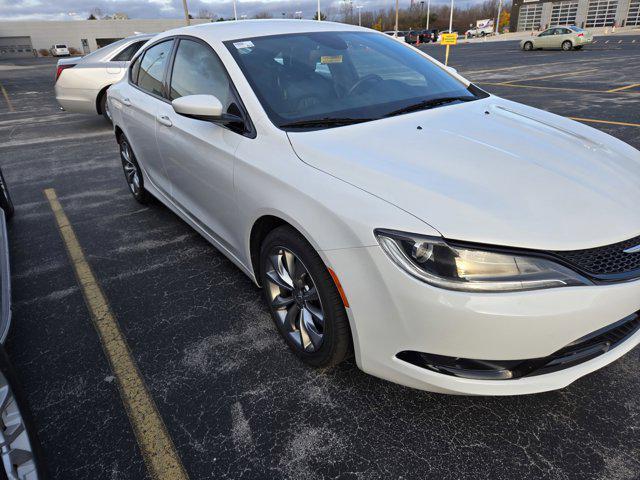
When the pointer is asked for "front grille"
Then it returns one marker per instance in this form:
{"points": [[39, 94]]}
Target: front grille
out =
{"points": [[577, 352], [604, 261]]}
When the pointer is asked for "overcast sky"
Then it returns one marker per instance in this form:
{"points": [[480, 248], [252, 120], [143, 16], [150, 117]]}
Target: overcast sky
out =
{"points": [[79, 9]]}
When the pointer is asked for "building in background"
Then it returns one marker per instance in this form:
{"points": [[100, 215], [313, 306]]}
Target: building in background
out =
{"points": [[25, 38], [540, 14]]}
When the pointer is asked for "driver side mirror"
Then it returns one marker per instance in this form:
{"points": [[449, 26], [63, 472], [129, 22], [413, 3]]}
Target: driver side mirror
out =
{"points": [[203, 107]]}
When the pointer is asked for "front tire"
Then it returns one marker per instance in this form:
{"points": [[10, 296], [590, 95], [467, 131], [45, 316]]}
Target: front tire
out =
{"points": [[132, 172], [303, 300], [527, 47], [567, 45]]}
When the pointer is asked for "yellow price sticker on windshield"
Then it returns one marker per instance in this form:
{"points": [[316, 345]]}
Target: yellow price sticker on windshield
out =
{"points": [[449, 39], [331, 59]]}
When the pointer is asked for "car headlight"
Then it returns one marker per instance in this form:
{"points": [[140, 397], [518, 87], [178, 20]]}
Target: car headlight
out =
{"points": [[454, 267]]}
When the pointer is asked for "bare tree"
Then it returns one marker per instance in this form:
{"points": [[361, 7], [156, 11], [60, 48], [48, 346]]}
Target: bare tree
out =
{"points": [[263, 14], [206, 13]]}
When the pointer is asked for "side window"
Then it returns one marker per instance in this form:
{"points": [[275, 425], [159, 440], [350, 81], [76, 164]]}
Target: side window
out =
{"points": [[152, 67], [198, 71], [128, 53]]}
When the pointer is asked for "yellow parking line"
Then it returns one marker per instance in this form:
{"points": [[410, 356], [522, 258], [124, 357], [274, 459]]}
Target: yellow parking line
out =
{"points": [[609, 122], [623, 88], [159, 453], [6, 97], [560, 89], [564, 74]]}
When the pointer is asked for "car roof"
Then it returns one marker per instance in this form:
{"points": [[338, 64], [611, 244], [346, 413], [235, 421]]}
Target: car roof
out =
{"points": [[233, 30]]}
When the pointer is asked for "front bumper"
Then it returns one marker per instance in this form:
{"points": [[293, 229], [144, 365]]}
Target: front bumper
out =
{"points": [[391, 312]]}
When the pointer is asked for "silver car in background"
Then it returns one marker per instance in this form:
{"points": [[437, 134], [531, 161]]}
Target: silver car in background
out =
{"points": [[82, 82]]}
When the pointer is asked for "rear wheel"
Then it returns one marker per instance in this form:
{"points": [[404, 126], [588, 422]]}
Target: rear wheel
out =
{"points": [[303, 299], [567, 45], [528, 46], [132, 172]]}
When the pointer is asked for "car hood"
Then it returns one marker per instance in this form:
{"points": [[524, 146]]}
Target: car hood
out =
{"points": [[490, 171]]}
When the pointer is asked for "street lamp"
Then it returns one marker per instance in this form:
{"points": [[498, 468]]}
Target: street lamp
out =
{"points": [[451, 19], [235, 11], [319, 14], [498, 19], [428, 13], [359, 7]]}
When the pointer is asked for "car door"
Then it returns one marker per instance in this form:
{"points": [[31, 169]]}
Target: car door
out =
{"points": [[542, 40], [144, 97], [198, 155]]}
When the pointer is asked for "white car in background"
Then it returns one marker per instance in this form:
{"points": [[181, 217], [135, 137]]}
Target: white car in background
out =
{"points": [[498, 254], [59, 50], [82, 82]]}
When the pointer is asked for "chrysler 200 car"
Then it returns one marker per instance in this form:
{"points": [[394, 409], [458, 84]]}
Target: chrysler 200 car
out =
{"points": [[452, 240]]}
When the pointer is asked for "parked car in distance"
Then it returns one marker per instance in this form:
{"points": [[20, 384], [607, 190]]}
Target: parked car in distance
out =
{"points": [[566, 38], [59, 50], [399, 35], [21, 453], [479, 32], [449, 272], [413, 36], [82, 82]]}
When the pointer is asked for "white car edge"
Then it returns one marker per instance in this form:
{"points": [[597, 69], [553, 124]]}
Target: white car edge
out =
{"points": [[82, 82], [456, 247]]}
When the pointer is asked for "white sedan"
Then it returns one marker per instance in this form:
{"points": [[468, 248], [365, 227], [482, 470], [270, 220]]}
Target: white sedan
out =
{"points": [[452, 240], [82, 82]]}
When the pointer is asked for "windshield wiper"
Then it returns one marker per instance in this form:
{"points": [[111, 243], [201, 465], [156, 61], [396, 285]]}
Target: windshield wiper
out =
{"points": [[324, 122], [427, 104]]}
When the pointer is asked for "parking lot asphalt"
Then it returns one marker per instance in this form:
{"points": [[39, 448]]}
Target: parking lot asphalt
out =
{"points": [[234, 400]]}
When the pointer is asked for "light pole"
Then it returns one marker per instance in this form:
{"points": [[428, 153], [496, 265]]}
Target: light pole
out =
{"points": [[498, 19], [428, 13], [319, 14], [396, 29], [451, 19], [186, 12], [359, 7], [235, 11]]}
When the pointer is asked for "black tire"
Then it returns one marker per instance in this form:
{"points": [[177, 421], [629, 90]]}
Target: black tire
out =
{"points": [[25, 413], [132, 172], [104, 108], [567, 45], [5, 198], [528, 46], [336, 343]]}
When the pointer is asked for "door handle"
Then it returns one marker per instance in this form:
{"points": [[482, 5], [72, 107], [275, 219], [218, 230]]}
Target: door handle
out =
{"points": [[164, 120], [126, 102]]}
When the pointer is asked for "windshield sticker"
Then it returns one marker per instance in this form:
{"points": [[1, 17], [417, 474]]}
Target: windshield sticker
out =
{"points": [[241, 45], [331, 59]]}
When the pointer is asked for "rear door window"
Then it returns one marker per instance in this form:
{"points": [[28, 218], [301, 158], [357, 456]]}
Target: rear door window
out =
{"points": [[128, 53], [150, 76]]}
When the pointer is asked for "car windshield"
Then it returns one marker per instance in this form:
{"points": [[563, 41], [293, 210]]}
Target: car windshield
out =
{"points": [[325, 79], [61, 46], [576, 29]]}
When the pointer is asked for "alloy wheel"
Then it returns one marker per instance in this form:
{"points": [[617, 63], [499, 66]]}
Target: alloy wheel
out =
{"points": [[130, 168], [294, 299], [17, 452]]}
